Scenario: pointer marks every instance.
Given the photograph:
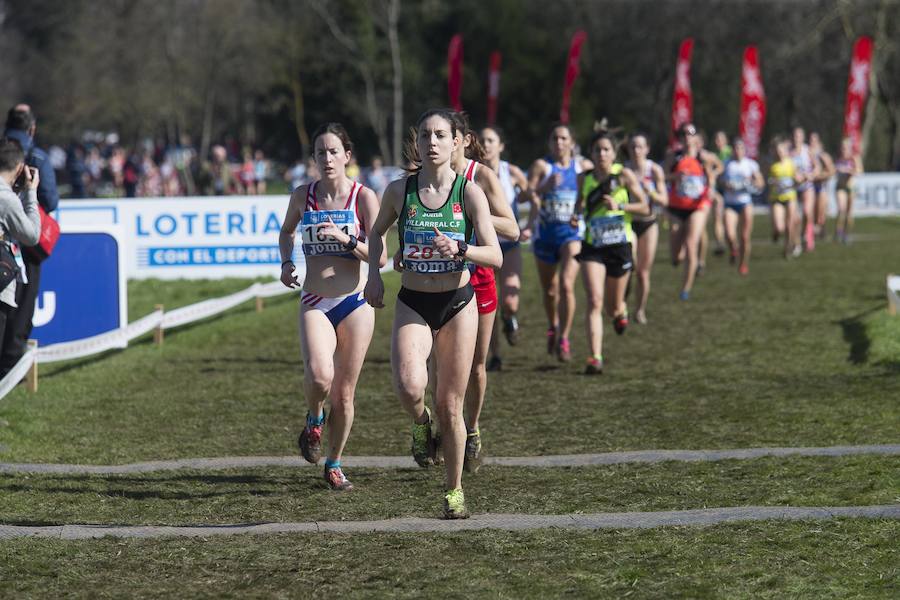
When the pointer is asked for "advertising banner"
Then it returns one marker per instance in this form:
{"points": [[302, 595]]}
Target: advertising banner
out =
{"points": [[682, 98], [857, 90], [876, 195], [493, 87], [572, 70], [203, 237], [83, 288], [753, 102], [454, 71]]}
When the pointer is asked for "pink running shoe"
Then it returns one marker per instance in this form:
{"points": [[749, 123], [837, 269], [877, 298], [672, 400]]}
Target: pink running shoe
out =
{"points": [[564, 352], [810, 238], [310, 443], [551, 340], [337, 480]]}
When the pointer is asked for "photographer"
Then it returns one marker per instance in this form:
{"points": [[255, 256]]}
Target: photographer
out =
{"points": [[19, 222], [21, 126]]}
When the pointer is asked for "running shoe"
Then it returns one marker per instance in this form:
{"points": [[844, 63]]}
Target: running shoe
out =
{"points": [[337, 480], [620, 323], [641, 317], [310, 442], [455, 505], [423, 446], [472, 458], [594, 366], [732, 257], [511, 329], [719, 250], [798, 250], [701, 268], [810, 239], [743, 269], [494, 364], [684, 295], [564, 351], [551, 340]]}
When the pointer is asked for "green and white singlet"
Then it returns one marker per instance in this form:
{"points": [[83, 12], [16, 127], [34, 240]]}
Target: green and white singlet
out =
{"points": [[416, 228]]}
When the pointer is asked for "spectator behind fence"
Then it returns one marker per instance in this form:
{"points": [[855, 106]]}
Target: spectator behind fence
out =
{"points": [[377, 177], [19, 222], [21, 126]]}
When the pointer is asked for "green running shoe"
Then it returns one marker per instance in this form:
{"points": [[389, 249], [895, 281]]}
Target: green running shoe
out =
{"points": [[472, 458], [455, 505], [423, 448]]}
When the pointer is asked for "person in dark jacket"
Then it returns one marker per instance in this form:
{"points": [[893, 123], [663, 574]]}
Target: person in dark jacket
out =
{"points": [[21, 126]]}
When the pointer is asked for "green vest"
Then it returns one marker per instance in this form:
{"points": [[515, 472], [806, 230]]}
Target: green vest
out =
{"points": [[605, 227], [416, 228]]}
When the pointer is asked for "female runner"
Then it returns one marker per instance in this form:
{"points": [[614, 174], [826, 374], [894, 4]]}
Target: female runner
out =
{"points": [[689, 203], [807, 171], [436, 213], [783, 181], [646, 229], [741, 180], [553, 184], [847, 166], [335, 323], [511, 177], [608, 195], [826, 171]]}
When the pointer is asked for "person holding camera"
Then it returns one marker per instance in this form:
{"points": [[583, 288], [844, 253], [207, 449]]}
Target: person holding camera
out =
{"points": [[20, 127], [19, 223]]}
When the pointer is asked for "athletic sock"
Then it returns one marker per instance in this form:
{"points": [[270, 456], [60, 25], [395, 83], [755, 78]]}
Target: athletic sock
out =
{"points": [[314, 421], [332, 464]]}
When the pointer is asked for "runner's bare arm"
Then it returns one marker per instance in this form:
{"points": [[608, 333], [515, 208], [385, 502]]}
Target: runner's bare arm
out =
{"points": [[578, 210], [501, 214], [660, 195], [638, 204], [296, 206], [391, 204], [487, 252]]}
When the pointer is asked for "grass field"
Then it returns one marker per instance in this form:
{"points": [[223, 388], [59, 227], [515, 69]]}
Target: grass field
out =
{"points": [[800, 353]]}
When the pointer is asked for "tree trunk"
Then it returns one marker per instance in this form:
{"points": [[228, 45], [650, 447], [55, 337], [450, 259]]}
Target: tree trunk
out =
{"points": [[394, 39], [299, 116]]}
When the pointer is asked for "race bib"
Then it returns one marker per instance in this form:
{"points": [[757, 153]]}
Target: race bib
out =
{"points": [[608, 231], [420, 256], [784, 184], [559, 208], [692, 186], [317, 244]]}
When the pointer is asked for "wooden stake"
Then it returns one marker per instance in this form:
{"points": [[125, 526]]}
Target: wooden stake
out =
{"points": [[158, 332], [33, 370], [892, 308], [260, 304]]}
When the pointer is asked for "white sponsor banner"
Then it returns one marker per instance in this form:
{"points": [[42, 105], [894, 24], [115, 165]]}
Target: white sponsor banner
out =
{"points": [[877, 194], [200, 237]]}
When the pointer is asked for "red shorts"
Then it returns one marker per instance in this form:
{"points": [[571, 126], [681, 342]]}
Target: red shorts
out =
{"points": [[482, 279]]}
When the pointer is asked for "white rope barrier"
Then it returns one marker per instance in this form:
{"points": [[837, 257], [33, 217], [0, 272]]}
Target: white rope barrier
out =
{"points": [[17, 373], [118, 339]]}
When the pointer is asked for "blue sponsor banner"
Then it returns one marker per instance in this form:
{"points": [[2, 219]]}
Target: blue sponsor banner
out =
{"points": [[189, 256], [82, 291]]}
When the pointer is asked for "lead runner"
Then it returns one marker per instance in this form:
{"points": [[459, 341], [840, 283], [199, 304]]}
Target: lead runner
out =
{"points": [[336, 325], [436, 214]]}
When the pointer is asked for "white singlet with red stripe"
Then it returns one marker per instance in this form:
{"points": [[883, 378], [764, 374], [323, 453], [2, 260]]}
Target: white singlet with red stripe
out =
{"points": [[347, 219]]}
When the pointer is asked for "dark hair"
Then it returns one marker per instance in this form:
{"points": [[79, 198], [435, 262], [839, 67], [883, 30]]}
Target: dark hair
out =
{"points": [[603, 134], [19, 119], [474, 150], [447, 114], [11, 154], [565, 126], [500, 133], [334, 129], [411, 158]]}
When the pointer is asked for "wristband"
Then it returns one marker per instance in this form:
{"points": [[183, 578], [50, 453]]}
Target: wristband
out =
{"points": [[351, 245]]}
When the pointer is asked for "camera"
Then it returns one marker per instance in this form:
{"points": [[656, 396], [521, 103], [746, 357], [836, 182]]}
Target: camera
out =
{"points": [[21, 182]]}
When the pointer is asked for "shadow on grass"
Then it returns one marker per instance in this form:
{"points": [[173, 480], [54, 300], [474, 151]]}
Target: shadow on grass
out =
{"points": [[854, 329], [148, 338]]}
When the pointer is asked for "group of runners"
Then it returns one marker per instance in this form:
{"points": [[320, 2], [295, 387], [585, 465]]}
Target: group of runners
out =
{"points": [[457, 218]]}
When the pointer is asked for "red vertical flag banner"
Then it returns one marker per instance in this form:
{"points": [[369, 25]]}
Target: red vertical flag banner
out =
{"points": [[572, 70], [753, 102], [454, 71], [493, 87], [857, 90], [683, 99]]}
